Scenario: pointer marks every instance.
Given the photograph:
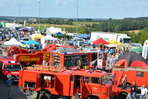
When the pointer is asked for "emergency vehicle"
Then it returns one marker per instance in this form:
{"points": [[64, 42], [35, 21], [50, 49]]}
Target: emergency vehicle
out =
{"points": [[9, 67], [68, 58], [28, 57], [134, 66], [58, 83]]}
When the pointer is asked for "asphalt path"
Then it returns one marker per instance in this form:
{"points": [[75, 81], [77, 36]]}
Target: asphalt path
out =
{"points": [[16, 92]]}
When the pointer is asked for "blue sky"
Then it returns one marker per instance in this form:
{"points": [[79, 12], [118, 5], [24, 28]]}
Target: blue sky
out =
{"points": [[116, 9]]}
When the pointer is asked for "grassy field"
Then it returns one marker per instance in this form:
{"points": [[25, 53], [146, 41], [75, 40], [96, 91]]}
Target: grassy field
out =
{"points": [[61, 26], [134, 31], [90, 23]]}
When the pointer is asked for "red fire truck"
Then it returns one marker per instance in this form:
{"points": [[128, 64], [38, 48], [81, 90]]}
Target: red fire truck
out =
{"points": [[54, 83], [9, 67], [28, 57], [75, 57]]}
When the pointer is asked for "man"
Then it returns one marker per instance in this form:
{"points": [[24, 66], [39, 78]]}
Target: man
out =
{"points": [[9, 84], [143, 92], [134, 90]]}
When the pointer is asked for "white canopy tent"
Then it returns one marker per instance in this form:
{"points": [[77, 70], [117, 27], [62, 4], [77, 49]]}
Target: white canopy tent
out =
{"points": [[117, 46], [48, 37], [145, 50], [53, 30], [13, 42]]}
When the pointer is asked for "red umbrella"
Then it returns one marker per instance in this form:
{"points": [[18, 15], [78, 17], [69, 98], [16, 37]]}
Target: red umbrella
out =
{"points": [[100, 41]]}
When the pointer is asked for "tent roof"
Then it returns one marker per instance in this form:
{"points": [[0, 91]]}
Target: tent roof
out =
{"points": [[37, 36], [113, 41], [13, 42], [100, 41], [31, 42], [139, 49], [132, 59]]}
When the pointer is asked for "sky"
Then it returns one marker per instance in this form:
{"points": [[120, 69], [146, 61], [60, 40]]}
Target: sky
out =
{"points": [[115, 9]]}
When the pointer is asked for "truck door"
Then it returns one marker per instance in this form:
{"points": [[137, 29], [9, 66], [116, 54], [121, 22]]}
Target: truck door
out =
{"points": [[84, 87], [95, 85], [75, 84]]}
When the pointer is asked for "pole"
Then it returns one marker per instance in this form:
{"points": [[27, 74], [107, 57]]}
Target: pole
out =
{"points": [[77, 19], [39, 15], [19, 15]]}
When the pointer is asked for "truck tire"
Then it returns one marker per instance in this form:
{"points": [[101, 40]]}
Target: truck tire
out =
{"points": [[23, 65], [45, 96], [93, 97], [123, 95]]}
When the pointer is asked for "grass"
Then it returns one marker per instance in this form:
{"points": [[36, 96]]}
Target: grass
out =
{"points": [[89, 23]]}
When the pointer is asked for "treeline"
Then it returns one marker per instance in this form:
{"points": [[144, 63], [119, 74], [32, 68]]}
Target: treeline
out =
{"points": [[63, 21], [121, 25]]}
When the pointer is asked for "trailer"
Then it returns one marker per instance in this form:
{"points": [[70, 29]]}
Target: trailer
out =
{"points": [[123, 38], [62, 83]]}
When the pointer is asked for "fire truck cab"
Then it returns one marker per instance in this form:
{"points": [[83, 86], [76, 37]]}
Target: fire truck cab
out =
{"points": [[9, 67], [66, 83]]}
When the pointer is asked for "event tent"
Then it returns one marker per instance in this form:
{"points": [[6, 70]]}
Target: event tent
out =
{"points": [[100, 41], [31, 42], [117, 46], [113, 41], [139, 49], [49, 37], [145, 50], [82, 35], [131, 59], [37, 36], [13, 42], [59, 33]]}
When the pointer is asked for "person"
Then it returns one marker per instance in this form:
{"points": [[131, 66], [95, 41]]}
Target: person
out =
{"points": [[9, 84], [143, 92], [134, 90], [44, 62], [124, 82]]}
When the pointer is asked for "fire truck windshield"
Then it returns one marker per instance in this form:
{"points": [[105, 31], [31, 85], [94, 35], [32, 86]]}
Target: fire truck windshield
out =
{"points": [[13, 67], [104, 79]]}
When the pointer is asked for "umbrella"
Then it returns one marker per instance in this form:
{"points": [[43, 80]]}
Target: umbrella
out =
{"points": [[139, 49], [100, 41], [31, 42], [13, 42], [113, 41]]}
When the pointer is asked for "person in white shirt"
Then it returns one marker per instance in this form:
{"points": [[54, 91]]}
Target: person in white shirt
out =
{"points": [[143, 92]]}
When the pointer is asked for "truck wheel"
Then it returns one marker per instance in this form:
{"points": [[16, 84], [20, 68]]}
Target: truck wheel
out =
{"points": [[23, 65], [45, 96], [31, 64], [123, 95], [92, 97]]}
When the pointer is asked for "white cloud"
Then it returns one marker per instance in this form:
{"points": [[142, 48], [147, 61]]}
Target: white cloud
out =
{"points": [[1, 4], [59, 2]]}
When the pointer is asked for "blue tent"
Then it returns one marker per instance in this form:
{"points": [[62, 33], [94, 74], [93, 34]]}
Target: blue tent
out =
{"points": [[59, 33], [31, 42], [82, 36], [87, 36]]}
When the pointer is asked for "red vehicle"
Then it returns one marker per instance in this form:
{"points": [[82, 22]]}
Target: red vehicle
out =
{"points": [[134, 66], [82, 58], [55, 83], [9, 67], [28, 57]]}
